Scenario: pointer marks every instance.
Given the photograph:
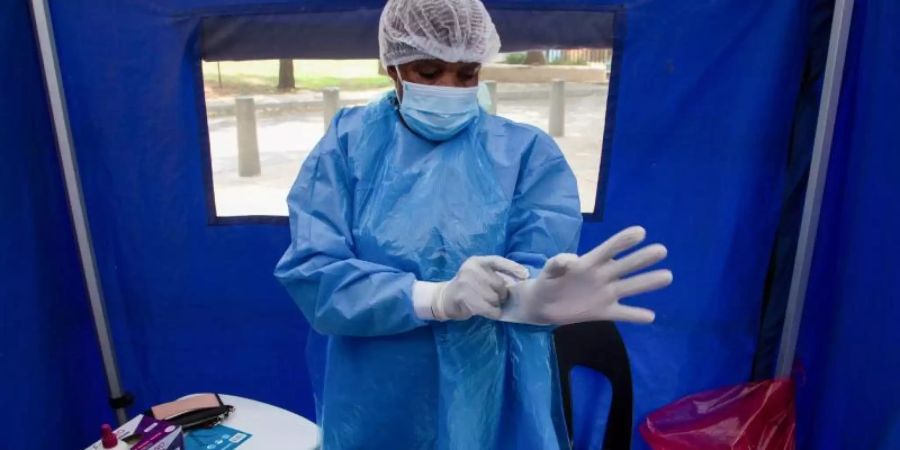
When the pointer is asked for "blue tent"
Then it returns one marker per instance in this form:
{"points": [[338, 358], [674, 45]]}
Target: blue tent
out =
{"points": [[711, 115]]}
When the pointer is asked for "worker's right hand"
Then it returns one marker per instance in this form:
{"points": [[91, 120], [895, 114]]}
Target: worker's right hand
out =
{"points": [[477, 289]]}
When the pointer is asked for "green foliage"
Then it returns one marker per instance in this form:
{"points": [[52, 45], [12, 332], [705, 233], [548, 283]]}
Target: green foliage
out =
{"points": [[515, 58]]}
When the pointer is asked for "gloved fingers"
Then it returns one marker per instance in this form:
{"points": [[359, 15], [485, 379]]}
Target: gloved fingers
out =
{"points": [[625, 313], [503, 265], [494, 282], [620, 242], [640, 259], [642, 283], [558, 265], [508, 280], [460, 311], [479, 290], [486, 309], [492, 313]]}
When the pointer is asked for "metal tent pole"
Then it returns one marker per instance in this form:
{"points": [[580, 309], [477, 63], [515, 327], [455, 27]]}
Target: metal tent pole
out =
{"points": [[818, 171], [44, 28]]}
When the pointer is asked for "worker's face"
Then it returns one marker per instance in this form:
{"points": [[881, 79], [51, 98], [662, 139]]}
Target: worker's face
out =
{"points": [[435, 72]]}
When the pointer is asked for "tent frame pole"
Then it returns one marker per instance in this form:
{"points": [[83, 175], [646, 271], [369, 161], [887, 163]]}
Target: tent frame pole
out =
{"points": [[818, 172], [62, 128]]}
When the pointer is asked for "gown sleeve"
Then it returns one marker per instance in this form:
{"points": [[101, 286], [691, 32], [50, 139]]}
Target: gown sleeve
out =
{"points": [[338, 293], [545, 219]]}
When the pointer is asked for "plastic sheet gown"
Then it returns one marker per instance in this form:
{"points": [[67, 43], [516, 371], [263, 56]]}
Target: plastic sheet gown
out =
{"points": [[376, 207]]}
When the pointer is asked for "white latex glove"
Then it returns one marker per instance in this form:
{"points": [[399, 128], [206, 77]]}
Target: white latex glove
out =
{"points": [[572, 289], [477, 289]]}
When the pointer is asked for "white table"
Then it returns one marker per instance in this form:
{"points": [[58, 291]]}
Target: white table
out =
{"points": [[272, 428]]}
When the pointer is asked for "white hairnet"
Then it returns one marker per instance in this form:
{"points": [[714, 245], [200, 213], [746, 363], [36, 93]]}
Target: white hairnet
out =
{"points": [[449, 30]]}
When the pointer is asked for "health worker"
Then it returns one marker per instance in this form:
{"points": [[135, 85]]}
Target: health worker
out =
{"points": [[431, 252]]}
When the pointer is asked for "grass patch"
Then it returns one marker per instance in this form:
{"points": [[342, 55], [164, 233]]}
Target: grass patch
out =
{"points": [[515, 58], [261, 77], [250, 84]]}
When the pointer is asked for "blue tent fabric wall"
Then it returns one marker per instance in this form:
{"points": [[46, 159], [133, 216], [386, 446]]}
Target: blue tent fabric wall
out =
{"points": [[699, 152], [704, 111], [49, 359], [848, 394]]}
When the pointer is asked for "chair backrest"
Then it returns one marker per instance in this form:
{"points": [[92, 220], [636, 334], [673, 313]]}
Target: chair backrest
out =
{"points": [[598, 346]]}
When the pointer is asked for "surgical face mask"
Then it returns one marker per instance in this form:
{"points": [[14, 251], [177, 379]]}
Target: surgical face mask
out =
{"points": [[437, 113]]}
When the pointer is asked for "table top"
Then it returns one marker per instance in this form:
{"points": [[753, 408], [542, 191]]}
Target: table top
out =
{"points": [[272, 428]]}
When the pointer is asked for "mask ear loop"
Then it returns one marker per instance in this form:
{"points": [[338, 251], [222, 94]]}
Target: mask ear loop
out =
{"points": [[399, 95], [397, 88]]}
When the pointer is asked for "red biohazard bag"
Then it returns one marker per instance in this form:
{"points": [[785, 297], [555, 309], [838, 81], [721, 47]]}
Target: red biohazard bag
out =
{"points": [[754, 416]]}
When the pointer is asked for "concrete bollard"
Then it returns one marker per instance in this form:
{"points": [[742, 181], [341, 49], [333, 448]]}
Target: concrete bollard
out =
{"points": [[557, 126], [492, 92], [248, 145], [331, 98]]}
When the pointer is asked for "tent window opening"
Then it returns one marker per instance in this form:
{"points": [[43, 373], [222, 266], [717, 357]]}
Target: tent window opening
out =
{"points": [[265, 116]]}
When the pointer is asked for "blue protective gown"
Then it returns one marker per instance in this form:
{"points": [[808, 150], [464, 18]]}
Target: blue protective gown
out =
{"points": [[376, 207]]}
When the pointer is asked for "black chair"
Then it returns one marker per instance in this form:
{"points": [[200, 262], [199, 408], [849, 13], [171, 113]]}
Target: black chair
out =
{"points": [[598, 346]]}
